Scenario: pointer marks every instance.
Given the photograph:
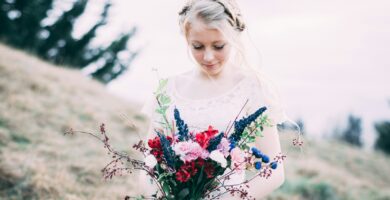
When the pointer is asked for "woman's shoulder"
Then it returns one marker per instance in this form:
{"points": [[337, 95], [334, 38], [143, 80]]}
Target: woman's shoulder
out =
{"points": [[181, 77], [177, 78]]}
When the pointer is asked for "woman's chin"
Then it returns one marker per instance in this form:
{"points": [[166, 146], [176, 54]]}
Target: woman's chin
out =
{"points": [[212, 71]]}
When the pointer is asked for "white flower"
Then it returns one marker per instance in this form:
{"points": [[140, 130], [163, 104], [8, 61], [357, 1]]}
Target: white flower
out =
{"points": [[150, 161], [217, 156]]}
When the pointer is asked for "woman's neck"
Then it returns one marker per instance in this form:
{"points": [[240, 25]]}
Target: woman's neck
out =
{"points": [[229, 72]]}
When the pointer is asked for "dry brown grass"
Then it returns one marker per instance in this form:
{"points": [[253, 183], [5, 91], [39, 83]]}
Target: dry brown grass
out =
{"points": [[343, 171], [38, 102]]}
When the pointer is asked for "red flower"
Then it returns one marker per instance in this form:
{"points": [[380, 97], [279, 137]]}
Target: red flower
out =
{"points": [[210, 132], [202, 140], [182, 175], [204, 137], [154, 143], [186, 171], [200, 162], [156, 149], [209, 169], [158, 154], [191, 168]]}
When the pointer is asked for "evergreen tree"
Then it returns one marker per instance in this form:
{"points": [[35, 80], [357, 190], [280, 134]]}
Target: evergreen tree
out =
{"points": [[5, 8], [60, 34], [20, 21], [113, 66], [352, 134], [77, 51], [20, 26], [383, 140]]}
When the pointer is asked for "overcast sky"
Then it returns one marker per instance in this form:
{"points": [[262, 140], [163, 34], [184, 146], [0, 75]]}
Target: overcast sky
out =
{"points": [[329, 58]]}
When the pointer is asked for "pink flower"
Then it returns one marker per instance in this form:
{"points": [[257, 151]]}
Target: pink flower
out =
{"points": [[238, 159], [224, 147], [189, 151]]}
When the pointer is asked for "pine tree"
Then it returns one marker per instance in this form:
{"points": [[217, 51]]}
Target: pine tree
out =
{"points": [[352, 134], [60, 33], [383, 140], [20, 26], [5, 7], [113, 66], [76, 52]]}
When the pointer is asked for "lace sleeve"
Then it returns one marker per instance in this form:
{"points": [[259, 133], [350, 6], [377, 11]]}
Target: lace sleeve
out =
{"points": [[266, 95], [149, 106]]}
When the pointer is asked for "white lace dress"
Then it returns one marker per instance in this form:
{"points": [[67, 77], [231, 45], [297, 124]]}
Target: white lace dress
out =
{"points": [[217, 111]]}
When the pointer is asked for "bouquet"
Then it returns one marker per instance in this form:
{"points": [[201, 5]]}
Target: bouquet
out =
{"points": [[196, 165]]}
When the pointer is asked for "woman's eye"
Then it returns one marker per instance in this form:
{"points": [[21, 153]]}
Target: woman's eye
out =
{"points": [[197, 47], [219, 47]]}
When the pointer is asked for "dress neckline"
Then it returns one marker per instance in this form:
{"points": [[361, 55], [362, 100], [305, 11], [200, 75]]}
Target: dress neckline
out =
{"points": [[231, 90]]}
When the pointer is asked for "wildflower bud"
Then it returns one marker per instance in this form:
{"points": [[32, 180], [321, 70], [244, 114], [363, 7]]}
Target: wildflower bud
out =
{"points": [[274, 165], [258, 165], [265, 158], [256, 152], [232, 145]]}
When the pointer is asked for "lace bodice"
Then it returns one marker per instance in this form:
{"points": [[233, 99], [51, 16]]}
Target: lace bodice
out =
{"points": [[217, 111]]}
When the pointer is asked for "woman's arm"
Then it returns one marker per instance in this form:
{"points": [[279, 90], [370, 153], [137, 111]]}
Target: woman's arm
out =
{"points": [[269, 145]]}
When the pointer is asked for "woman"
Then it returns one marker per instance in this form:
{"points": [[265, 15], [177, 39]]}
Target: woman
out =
{"points": [[216, 90]]}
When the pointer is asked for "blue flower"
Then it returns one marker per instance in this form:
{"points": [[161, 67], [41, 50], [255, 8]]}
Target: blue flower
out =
{"points": [[169, 154], [240, 125], [274, 165], [232, 145], [214, 142], [256, 152], [265, 158], [181, 126], [258, 165]]}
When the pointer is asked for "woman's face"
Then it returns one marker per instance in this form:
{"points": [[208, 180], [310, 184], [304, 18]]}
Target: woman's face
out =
{"points": [[209, 47]]}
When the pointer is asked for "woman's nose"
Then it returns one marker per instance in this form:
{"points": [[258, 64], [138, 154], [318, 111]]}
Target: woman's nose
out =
{"points": [[208, 55]]}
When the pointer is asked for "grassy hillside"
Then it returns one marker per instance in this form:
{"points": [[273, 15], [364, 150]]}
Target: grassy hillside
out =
{"points": [[38, 102]]}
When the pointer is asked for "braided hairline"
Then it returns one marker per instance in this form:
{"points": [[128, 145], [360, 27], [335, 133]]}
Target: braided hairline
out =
{"points": [[234, 21]]}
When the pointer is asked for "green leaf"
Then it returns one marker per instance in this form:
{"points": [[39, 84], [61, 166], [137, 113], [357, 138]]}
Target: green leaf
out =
{"points": [[163, 176], [162, 84], [164, 99], [166, 188], [259, 133], [200, 175], [183, 193]]}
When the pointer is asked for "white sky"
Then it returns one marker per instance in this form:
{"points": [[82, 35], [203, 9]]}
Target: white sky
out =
{"points": [[329, 58]]}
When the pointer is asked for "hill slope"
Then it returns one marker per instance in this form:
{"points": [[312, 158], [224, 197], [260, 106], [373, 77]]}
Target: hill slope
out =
{"points": [[38, 102]]}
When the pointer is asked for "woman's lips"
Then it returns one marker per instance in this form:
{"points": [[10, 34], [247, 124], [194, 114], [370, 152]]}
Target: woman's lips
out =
{"points": [[210, 66]]}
